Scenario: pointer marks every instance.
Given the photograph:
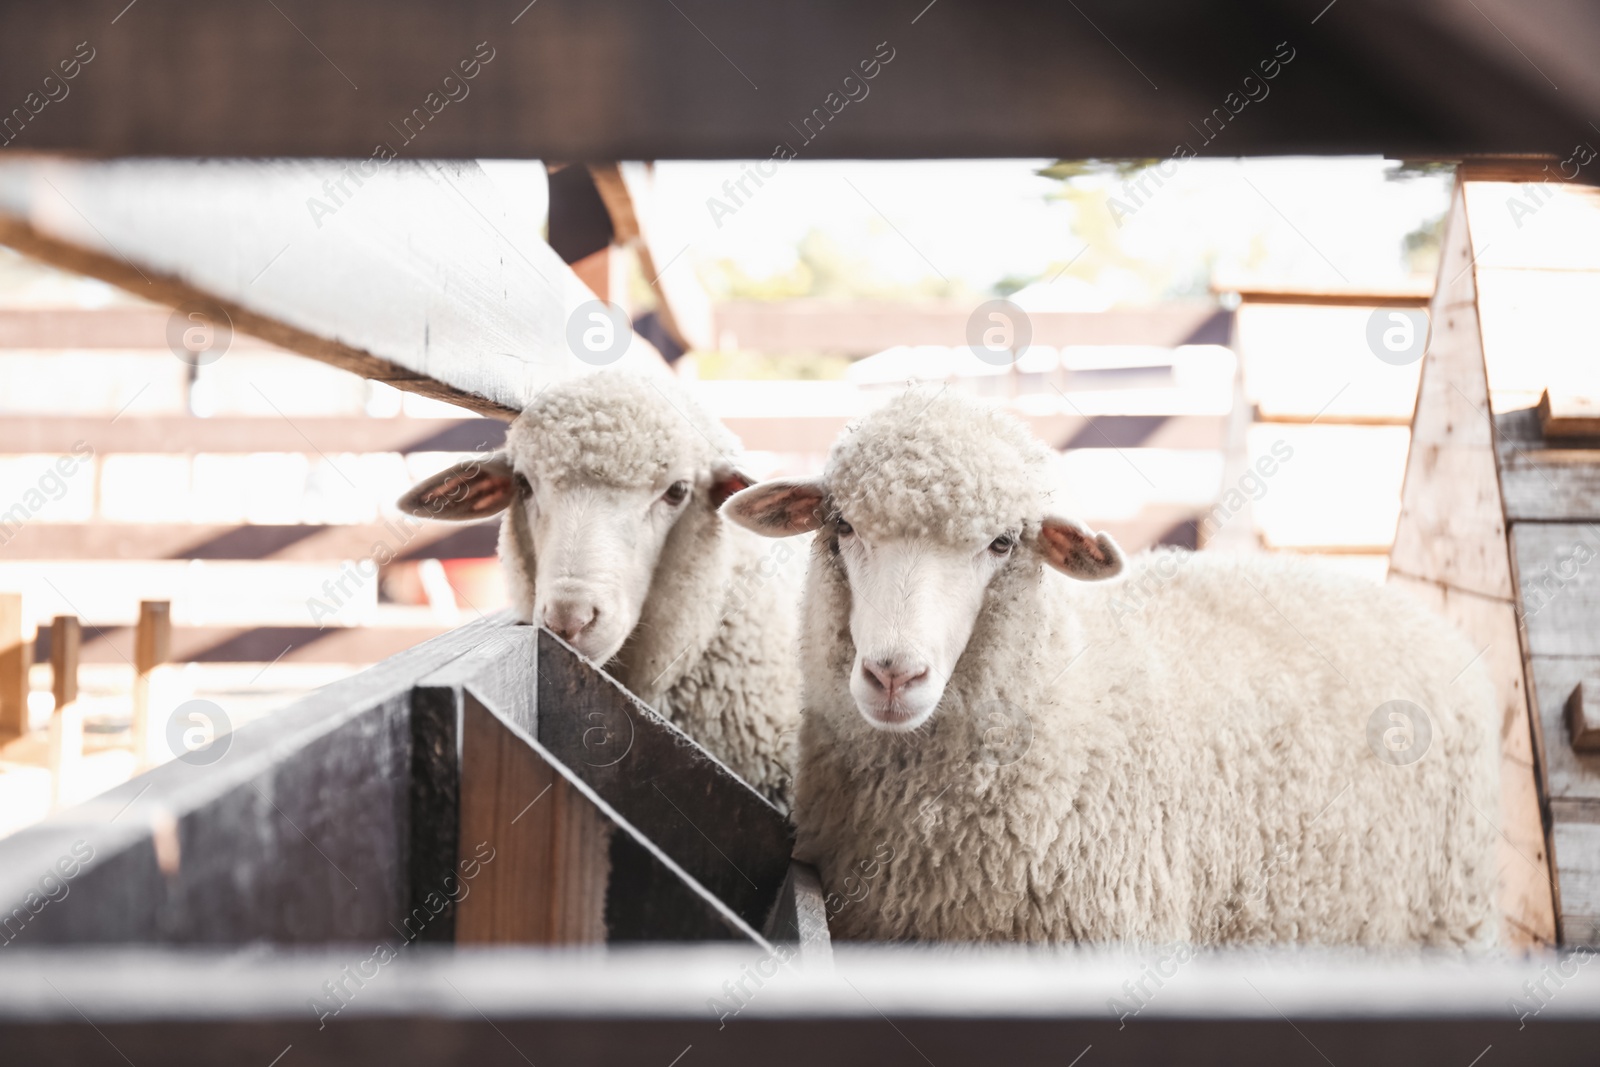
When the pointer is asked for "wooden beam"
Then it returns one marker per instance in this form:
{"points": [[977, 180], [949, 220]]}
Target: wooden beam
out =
{"points": [[310, 434], [418, 275], [218, 541], [1412, 79], [16, 654]]}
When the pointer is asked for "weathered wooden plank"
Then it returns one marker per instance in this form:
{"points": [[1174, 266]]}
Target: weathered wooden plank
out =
{"points": [[1545, 478], [307, 434], [947, 85], [1452, 527], [402, 538], [698, 812], [15, 657], [545, 882], [1577, 846], [643, 1006], [269, 841], [1528, 217], [1558, 582], [1583, 715], [416, 274]]}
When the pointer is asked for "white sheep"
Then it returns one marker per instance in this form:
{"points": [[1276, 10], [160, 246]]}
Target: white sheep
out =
{"points": [[612, 539], [1216, 762]]}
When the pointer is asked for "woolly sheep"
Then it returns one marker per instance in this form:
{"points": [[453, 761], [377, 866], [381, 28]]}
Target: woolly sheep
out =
{"points": [[615, 543], [1065, 761]]}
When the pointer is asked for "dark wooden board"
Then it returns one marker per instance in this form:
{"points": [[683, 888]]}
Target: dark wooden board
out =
{"points": [[298, 833], [327, 434], [624, 79], [898, 1008], [275, 541], [735, 843]]}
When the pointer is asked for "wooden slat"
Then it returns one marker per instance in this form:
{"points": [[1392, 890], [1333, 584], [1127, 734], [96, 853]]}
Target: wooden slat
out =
{"points": [[313, 434], [1539, 330], [15, 657], [1450, 551], [423, 278], [546, 883], [406, 539]]}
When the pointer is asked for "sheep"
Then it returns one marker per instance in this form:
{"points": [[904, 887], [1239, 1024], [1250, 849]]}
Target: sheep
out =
{"points": [[612, 540], [1217, 762]]}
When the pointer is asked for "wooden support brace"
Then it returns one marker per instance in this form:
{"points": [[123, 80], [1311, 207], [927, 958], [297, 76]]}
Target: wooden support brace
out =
{"points": [[16, 654], [66, 722], [152, 647]]}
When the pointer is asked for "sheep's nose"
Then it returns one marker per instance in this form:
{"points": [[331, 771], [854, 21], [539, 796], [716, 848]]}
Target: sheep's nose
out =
{"points": [[892, 677], [569, 618]]}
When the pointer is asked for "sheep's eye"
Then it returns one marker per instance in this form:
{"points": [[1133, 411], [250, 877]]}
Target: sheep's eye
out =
{"points": [[524, 487], [676, 493], [1002, 545], [844, 528]]}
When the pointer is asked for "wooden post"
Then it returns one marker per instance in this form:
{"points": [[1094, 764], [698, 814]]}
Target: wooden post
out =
{"points": [[66, 722], [14, 660], [152, 647]]}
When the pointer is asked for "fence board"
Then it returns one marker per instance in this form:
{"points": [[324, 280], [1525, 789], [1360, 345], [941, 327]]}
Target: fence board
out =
{"points": [[424, 278]]}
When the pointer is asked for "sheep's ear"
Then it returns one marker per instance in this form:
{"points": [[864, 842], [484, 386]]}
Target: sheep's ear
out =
{"points": [[1074, 550], [726, 481], [475, 489], [778, 508]]}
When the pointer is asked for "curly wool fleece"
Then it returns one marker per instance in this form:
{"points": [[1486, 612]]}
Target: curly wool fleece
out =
{"points": [[934, 464], [615, 428], [1189, 764]]}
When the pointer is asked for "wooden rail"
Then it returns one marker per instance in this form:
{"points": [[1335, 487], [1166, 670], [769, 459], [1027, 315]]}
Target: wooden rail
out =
{"points": [[516, 840]]}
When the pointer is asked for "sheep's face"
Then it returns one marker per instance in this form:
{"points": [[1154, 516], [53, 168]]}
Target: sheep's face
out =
{"points": [[915, 598], [595, 546]]}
